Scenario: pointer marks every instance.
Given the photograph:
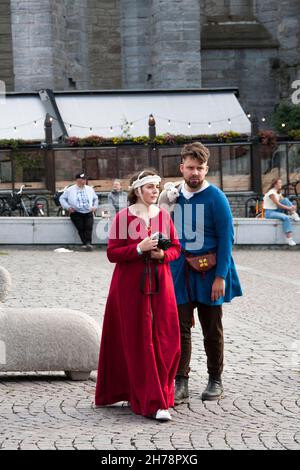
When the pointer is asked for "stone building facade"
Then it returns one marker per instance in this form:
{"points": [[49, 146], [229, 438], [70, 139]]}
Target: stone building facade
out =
{"points": [[147, 44]]}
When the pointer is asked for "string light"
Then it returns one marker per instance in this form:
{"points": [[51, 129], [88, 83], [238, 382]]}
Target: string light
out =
{"points": [[131, 123], [283, 124]]}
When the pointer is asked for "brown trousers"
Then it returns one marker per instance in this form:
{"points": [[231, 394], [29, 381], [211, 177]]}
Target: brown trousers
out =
{"points": [[210, 318]]}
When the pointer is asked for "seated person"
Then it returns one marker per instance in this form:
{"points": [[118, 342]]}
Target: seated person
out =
{"points": [[117, 198], [278, 207]]}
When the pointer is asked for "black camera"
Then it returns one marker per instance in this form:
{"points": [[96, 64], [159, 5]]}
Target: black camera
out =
{"points": [[163, 242]]}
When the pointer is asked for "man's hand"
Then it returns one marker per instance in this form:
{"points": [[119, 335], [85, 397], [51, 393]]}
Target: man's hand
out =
{"points": [[71, 210], [157, 254], [218, 289], [94, 210]]}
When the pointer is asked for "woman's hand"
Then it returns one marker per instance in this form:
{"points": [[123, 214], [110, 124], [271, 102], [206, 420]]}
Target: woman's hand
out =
{"points": [[148, 244], [158, 253]]}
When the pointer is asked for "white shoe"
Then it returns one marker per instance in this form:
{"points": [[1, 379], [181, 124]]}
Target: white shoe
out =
{"points": [[295, 217], [163, 415], [291, 242]]}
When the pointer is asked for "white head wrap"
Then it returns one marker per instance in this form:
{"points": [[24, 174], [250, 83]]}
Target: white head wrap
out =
{"points": [[146, 180]]}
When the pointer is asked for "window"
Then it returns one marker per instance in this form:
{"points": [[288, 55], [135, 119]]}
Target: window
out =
{"points": [[236, 167]]}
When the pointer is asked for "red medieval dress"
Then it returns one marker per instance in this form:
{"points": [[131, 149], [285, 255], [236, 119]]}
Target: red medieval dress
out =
{"points": [[140, 344]]}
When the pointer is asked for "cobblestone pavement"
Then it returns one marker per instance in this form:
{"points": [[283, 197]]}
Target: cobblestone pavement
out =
{"points": [[262, 365]]}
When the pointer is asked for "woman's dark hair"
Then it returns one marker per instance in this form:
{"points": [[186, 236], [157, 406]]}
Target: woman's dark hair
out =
{"points": [[132, 197], [273, 182]]}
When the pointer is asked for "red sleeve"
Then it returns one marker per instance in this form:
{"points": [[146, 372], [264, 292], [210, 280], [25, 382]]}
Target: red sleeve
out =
{"points": [[174, 251], [118, 250]]}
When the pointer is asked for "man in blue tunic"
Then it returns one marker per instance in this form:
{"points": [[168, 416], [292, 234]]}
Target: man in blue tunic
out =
{"points": [[203, 220]]}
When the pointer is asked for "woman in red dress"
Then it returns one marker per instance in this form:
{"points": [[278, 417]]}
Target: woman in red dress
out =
{"points": [[140, 345]]}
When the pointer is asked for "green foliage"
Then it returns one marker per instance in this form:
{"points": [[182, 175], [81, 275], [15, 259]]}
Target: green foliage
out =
{"points": [[295, 134], [27, 160], [287, 114], [12, 143], [143, 139], [228, 136]]}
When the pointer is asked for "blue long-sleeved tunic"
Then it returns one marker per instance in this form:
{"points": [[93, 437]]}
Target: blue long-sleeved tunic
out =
{"points": [[213, 232]]}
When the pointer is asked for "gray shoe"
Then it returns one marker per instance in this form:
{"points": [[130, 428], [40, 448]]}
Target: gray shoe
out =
{"points": [[214, 389], [181, 390], [89, 247]]}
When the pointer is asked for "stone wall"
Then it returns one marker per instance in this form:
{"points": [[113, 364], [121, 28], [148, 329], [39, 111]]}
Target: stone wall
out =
{"points": [[161, 44], [104, 44], [175, 44], [6, 65], [253, 45], [111, 44], [34, 46], [136, 44], [66, 45]]}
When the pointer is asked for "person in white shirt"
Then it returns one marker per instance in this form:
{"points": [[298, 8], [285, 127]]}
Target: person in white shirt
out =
{"points": [[278, 207], [81, 201]]}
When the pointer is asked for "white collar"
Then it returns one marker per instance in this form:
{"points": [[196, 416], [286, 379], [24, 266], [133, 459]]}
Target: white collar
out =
{"points": [[188, 194]]}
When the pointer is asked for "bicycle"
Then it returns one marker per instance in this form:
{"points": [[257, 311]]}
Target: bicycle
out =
{"points": [[294, 186], [254, 206], [15, 201], [61, 212]]}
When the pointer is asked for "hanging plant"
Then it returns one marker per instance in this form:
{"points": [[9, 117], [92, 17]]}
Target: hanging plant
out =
{"points": [[268, 137]]}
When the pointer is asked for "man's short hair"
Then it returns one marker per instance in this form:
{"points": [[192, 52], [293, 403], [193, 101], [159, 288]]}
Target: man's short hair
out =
{"points": [[196, 151]]}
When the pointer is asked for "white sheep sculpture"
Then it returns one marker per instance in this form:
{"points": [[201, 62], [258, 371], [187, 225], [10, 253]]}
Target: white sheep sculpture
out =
{"points": [[46, 339]]}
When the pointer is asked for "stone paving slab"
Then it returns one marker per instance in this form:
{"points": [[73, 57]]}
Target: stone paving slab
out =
{"points": [[261, 378]]}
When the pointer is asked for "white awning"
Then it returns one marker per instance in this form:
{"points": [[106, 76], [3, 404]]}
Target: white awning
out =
{"points": [[22, 117], [187, 112]]}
